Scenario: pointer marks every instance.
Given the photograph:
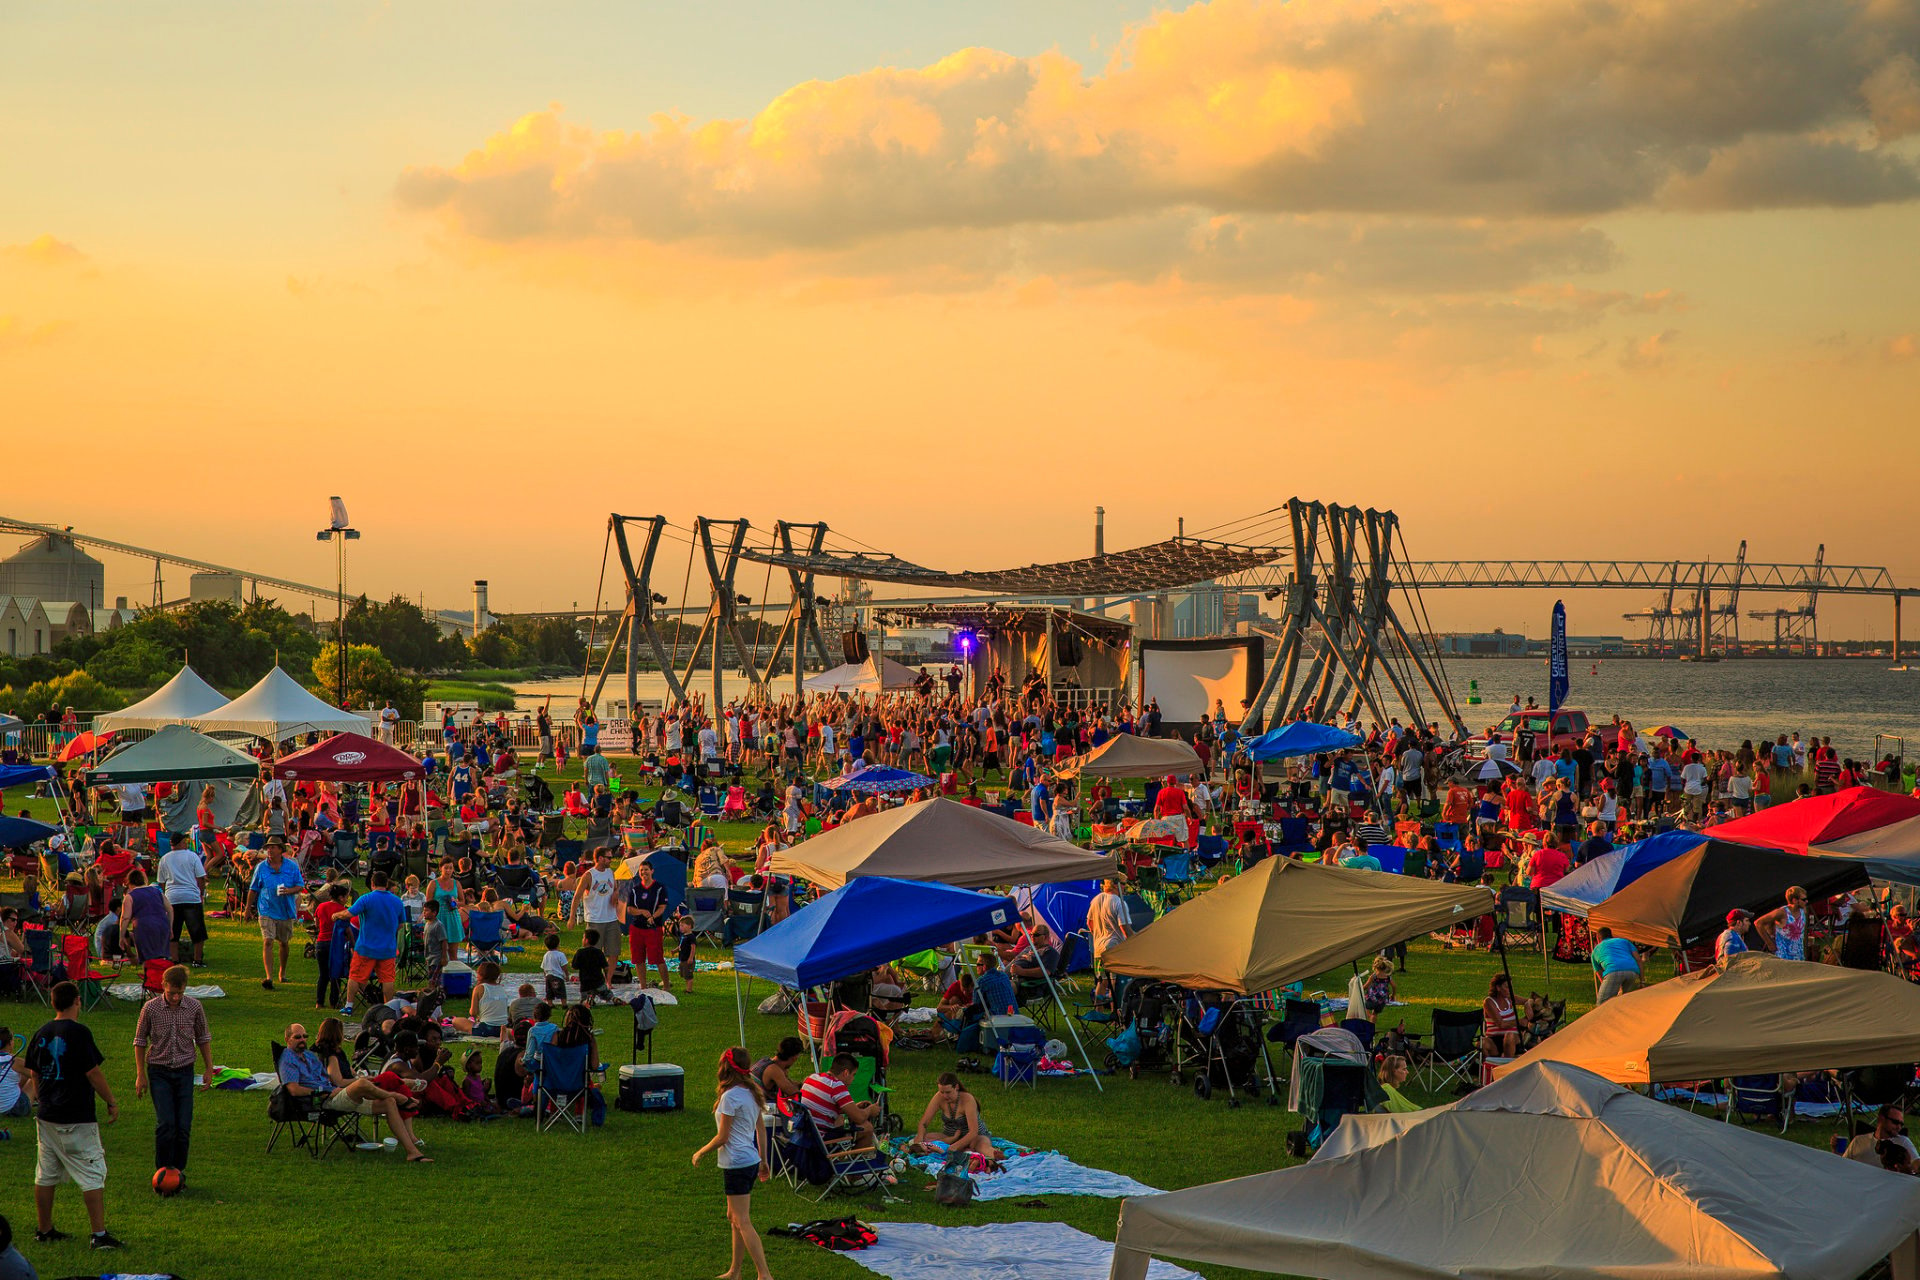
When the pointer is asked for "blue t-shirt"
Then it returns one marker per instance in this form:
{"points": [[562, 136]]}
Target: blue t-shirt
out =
{"points": [[996, 991], [461, 779], [379, 914], [266, 882], [1660, 776], [1615, 955], [1782, 755]]}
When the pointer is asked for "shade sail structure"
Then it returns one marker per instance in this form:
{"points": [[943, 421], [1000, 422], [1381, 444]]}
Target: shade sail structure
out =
{"points": [[184, 698], [1301, 738], [1551, 1171], [1879, 828], [940, 840], [175, 754], [1686, 901], [876, 675], [1129, 756], [868, 922], [1594, 882], [21, 775], [1758, 1016], [18, 833], [348, 757], [277, 708], [1285, 921]]}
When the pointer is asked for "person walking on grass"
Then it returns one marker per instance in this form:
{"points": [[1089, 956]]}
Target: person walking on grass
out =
{"points": [[172, 1028], [61, 1072], [741, 1143], [273, 895]]}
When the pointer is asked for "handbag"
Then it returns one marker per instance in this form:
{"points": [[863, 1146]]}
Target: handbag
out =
{"points": [[953, 1187]]}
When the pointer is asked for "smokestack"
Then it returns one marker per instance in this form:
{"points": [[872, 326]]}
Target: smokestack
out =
{"points": [[479, 606], [1099, 531]]}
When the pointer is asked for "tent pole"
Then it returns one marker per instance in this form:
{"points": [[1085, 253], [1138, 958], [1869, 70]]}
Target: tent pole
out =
{"points": [[1059, 1004], [812, 1051], [739, 1006]]}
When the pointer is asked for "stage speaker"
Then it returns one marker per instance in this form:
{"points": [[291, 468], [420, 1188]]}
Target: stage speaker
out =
{"points": [[853, 645], [1066, 649]]}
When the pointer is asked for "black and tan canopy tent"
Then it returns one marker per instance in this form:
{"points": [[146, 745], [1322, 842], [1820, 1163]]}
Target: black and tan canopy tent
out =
{"points": [[1551, 1171], [1126, 755], [1286, 921], [941, 840], [1758, 1016], [1685, 902]]}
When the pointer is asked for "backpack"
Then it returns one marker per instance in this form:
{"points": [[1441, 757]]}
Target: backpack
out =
{"points": [[284, 1108], [645, 1018], [844, 1235]]}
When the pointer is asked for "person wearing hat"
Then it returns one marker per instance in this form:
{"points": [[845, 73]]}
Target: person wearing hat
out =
{"points": [[1733, 941], [273, 895]]}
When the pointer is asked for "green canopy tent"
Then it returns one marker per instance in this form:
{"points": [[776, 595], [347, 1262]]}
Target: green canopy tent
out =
{"points": [[174, 754]]}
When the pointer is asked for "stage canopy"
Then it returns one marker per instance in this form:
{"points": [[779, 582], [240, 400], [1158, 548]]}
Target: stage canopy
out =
{"points": [[940, 840], [1879, 828], [1551, 1171], [277, 708], [868, 922], [1686, 901], [185, 697], [1127, 756], [1286, 921], [1760, 1016], [1300, 738], [174, 754], [1594, 882], [348, 757], [877, 674], [1158, 566]]}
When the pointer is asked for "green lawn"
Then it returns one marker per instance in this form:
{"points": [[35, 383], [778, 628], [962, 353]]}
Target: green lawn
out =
{"points": [[622, 1200]]}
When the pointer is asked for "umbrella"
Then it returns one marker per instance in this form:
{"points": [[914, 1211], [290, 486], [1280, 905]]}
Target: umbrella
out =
{"points": [[18, 833], [84, 744], [879, 780], [1493, 769], [1672, 731]]}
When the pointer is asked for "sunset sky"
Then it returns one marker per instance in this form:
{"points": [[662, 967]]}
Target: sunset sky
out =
{"points": [[1546, 277]]}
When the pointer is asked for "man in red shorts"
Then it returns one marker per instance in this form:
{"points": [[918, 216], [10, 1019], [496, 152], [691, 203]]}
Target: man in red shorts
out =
{"points": [[379, 914], [645, 911]]}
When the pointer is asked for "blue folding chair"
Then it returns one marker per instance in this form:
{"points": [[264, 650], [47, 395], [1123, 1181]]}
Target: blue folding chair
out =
{"points": [[486, 931], [1447, 836], [1211, 848], [1296, 836], [559, 1083], [1176, 868], [1392, 858]]}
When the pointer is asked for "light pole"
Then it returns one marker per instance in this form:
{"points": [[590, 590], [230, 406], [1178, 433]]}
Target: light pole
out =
{"points": [[339, 532]]}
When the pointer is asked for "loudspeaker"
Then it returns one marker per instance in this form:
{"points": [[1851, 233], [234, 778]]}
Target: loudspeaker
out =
{"points": [[1066, 649], [853, 644]]}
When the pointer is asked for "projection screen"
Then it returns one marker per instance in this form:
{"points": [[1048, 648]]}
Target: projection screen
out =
{"points": [[1186, 677]]}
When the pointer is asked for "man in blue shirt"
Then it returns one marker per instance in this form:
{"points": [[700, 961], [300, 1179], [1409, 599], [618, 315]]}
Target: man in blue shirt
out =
{"points": [[1733, 941], [379, 915], [273, 895], [993, 988], [1040, 803], [1659, 782], [303, 1075], [1616, 966]]}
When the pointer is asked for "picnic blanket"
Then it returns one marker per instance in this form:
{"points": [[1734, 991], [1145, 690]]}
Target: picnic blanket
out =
{"points": [[1802, 1108], [996, 1251], [137, 994], [1030, 1173], [623, 992]]}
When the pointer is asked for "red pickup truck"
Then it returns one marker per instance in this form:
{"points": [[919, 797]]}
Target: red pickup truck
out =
{"points": [[1550, 730]]}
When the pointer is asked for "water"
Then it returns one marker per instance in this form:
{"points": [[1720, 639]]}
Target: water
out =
{"points": [[1720, 703]]}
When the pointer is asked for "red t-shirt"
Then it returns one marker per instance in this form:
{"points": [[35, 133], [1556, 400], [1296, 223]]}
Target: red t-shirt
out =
{"points": [[1549, 866], [323, 917]]}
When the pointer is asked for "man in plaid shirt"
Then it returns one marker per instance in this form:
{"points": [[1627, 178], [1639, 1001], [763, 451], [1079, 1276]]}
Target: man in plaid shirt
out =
{"points": [[171, 1029]]}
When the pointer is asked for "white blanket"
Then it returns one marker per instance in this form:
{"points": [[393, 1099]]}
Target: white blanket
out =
{"points": [[996, 1251], [135, 993], [625, 991], [1047, 1173]]}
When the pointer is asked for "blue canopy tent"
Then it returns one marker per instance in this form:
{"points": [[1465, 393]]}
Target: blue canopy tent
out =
{"points": [[18, 833], [868, 922], [1301, 738], [1063, 907], [879, 779], [19, 775], [1589, 885]]}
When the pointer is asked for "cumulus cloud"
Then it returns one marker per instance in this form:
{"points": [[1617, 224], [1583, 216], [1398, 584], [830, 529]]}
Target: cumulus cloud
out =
{"points": [[1396, 109]]}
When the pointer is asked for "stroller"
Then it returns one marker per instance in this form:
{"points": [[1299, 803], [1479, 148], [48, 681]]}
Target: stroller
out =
{"points": [[539, 794], [1332, 1077], [852, 1032], [1150, 1014], [1229, 1031]]}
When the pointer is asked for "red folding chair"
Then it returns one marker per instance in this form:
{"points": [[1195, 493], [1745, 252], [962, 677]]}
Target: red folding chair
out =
{"points": [[77, 950], [151, 973]]}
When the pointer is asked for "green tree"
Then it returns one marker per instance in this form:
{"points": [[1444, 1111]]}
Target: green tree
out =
{"points": [[371, 679], [496, 647], [401, 630], [75, 689]]}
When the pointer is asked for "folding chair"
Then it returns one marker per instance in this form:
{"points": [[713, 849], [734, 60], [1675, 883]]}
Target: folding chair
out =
{"points": [[1758, 1098], [77, 950], [708, 907], [486, 934], [1361, 1029], [318, 1128], [1520, 914], [1455, 1051], [38, 971], [834, 1164], [151, 973], [559, 1085], [1447, 836]]}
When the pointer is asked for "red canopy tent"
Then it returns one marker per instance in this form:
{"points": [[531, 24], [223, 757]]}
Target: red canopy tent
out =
{"points": [[1880, 828], [349, 757]]}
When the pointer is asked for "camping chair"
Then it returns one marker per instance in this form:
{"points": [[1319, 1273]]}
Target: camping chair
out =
{"points": [[1868, 1088], [1036, 998], [1520, 915], [38, 970], [1455, 1051], [77, 950], [833, 1164], [1295, 835], [710, 806], [559, 1085], [1758, 1098], [745, 915], [1362, 1031], [1447, 836], [318, 1128], [486, 933], [708, 907], [151, 973], [1392, 858]]}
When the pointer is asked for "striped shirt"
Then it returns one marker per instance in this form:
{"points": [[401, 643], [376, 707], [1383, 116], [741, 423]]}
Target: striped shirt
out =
{"points": [[171, 1035], [823, 1096]]}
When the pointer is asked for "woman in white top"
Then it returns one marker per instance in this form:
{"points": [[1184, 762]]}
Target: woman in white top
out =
{"points": [[487, 1011], [741, 1142]]}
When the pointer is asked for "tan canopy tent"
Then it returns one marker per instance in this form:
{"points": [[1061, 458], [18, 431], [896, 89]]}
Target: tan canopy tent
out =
{"points": [[1127, 756], [1551, 1171], [1285, 921], [1760, 1016], [941, 840]]}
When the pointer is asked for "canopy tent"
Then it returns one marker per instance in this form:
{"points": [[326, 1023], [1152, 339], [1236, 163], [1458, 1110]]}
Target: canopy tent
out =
{"points": [[184, 698], [277, 708], [1063, 907], [348, 757], [941, 840], [174, 754], [1759, 1016], [18, 833], [1686, 901], [880, 780], [1551, 1171], [1300, 738], [866, 923], [236, 803], [878, 674], [19, 775], [1128, 756], [1879, 828], [1285, 921], [669, 871], [1596, 881]]}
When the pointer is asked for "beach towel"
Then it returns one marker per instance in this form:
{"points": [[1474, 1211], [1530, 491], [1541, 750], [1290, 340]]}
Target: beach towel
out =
{"points": [[996, 1251], [1042, 1173]]}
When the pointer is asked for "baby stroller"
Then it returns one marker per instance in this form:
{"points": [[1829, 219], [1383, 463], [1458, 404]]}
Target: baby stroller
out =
{"points": [[1229, 1031], [860, 1035], [539, 794], [1150, 1030], [1332, 1077]]}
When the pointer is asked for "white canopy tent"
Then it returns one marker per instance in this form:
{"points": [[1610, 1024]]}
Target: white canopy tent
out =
{"points": [[876, 675], [181, 700], [277, 708]]}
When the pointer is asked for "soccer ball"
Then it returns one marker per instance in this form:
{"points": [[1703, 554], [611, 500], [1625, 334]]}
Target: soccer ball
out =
{"points": [[168, 1182]]}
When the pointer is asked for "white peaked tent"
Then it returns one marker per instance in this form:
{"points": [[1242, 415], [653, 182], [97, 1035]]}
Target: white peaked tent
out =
{"points": [[181, 700], [876, 675], [277, 708]]}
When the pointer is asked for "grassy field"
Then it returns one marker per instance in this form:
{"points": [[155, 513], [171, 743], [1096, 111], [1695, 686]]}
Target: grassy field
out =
{"points": [[621, 1200]]}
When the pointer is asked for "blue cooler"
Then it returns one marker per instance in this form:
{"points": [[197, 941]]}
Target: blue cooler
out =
{"points": [[652, 1086], [456, 980]]}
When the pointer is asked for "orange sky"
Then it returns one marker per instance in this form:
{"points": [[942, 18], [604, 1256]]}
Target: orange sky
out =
{"points": [[1547, 278]]}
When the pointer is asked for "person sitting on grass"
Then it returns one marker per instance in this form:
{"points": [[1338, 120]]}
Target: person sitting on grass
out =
{"points": [[775, 1073], [487, 1010], [304, 1076], [1393, 1077], [961, 1127]]}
